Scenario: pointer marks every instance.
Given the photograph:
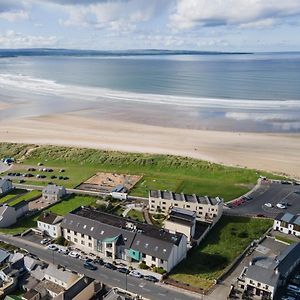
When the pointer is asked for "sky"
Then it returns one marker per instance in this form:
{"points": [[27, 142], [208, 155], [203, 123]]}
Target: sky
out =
{"points": [[208, 25]]}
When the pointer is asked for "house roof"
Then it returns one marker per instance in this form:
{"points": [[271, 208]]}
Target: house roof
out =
{"points": [[49, 218], [182, 216], [288, 218], [61, 274], [76, 288], [3, 182], [20, 204], [3, 255], [185, 197], [30, 294], [52, 189], [137, 236], [263, 269]]}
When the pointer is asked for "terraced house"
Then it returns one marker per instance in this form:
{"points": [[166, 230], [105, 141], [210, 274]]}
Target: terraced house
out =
{"points": [[207, 209], [115, 237]]}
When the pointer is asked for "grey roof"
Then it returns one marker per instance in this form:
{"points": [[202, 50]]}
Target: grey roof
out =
{"points": [[184, 197], [52, 189], [49, 218], [76, 288], [61, 274], [263, 269], [3, 181], [20, 204], [287, 217], [3, 255], [138, 236]]}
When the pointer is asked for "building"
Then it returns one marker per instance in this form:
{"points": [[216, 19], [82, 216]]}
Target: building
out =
{"points": [[4, 256], [181, 220], [287, 223], [5, 186], [207, 209], [49, 223], [10, 214], [53, 192], [265, 275], [115, 237], [119, 192]]}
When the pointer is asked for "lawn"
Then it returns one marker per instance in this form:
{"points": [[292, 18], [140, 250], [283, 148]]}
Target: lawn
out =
{"points": [[27, 196], [165, 172], [222, 245], [71, 203], [135, 215], [12, 194], [284, 239]]}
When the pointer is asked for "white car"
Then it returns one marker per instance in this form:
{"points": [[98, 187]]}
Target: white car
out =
{"points": [[45, 241], [136, 274], [268, 205], [74, 254], [63, 251], [293, 288], [52, 247], [280, 205]]}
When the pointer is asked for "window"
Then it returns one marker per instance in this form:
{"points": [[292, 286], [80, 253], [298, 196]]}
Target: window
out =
{"points": [[90, 237], [161, 261], [68, 238], [68, 230], [164, 202], [152, 201], [188, 206], [90, 245], [82, 242], [54, 233], [153, 258], [175, 204], [75, 240], [267, 287], [82, 235], [143, 255]]}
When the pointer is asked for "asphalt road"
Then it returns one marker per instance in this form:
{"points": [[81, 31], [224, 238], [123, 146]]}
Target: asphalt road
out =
{"points": [[111, 278], [273, 193]]}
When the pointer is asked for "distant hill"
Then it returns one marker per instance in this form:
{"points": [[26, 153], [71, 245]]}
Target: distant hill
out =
{"points": [[73, 52]]}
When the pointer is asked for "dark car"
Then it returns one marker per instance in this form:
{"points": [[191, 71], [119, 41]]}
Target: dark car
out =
{"points": [[66, 178], [53, 177], [123, 270], [60, 177], [151, 278], [110, 266], [90, 266], [99, 261]]}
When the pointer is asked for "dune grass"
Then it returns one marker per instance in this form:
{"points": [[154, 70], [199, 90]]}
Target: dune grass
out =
{"points": [[223, 244], [165, 172]]}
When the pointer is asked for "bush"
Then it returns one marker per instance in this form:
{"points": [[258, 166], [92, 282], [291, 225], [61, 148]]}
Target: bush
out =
{"points": [[61, 241], [243, 235], [143, 266], [159, 270]]}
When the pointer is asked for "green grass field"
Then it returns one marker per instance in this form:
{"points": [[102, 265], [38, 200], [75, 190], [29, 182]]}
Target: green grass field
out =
{"points": [[71, 203], [28, 196], [135, 215], [12, 194], [165, 172], [222, 245]]}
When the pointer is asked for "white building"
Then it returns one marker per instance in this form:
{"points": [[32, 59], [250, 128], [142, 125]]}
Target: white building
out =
{"points": [[287, 223], [53, 192], [265, 275], [115, 237], [5, 186], [10, 214], [207, 209], [49, 223], [181, 220]]}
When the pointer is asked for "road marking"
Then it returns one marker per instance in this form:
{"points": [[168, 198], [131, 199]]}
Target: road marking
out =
{"points": [[105, 276], [147, 290], [131, 284], [116, 279], [161, 294]]}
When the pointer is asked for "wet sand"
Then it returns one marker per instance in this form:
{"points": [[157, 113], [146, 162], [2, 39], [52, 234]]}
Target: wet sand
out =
{"points": [[278, 153]]}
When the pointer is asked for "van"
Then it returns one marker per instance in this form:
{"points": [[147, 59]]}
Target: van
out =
{"points": [[293, 288]]}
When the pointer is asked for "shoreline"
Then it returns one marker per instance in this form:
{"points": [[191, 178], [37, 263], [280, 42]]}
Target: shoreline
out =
{"points": [[277, 153]]}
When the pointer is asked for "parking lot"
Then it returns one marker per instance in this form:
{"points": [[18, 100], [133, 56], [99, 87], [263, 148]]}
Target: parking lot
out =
{"points": [[273, 193]]}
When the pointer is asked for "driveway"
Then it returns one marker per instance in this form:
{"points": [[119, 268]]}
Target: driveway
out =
{"points": [[4, 167], [273, 192]]}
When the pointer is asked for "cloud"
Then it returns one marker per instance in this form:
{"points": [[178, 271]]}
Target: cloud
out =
{"points": [[13, 10], [12, 39], [241, 13], [121, 16], [13, 16]]}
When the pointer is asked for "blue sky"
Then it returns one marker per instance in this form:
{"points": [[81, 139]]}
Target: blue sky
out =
{"points": [[218, 25]]}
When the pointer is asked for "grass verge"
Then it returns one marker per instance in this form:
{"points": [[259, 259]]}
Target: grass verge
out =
{"points": [[223, 244]]}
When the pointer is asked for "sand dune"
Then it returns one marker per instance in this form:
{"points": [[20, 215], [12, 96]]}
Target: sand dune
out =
{"points": [[273, 152]]}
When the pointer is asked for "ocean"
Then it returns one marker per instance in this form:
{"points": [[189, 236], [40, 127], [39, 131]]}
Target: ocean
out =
{"points": [[257, 92]]}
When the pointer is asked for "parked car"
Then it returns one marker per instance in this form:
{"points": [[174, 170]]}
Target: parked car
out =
{"points": [[268, 204], [281, 205], [52, 176], [123, 270], [63, 251], [110, 266], [293, 288], [288, 298], [151, 278], [99, 261], [74, 254], [31, 169], [52, 247], [135, 273], [45, 241], [90, 266]]}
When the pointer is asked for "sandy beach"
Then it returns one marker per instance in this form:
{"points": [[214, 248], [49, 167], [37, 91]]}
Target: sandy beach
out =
{"points": [[278, 153]]}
